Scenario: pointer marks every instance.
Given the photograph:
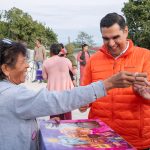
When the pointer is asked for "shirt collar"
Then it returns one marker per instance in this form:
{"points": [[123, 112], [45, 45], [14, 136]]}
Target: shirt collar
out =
{"points": [[123, 51]]}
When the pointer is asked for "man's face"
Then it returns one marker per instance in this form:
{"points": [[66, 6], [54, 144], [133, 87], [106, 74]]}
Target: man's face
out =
{"points": [[115, 39], [85, 48], [37, 43]]}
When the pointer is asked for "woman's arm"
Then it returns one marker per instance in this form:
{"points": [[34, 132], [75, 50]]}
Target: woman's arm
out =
{"points": [[30, 104]]}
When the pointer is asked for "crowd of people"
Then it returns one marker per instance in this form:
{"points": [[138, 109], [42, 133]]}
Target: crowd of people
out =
{"points": [[114, 84]]}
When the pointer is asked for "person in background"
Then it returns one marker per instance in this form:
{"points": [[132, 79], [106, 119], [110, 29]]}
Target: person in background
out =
{"points": [[39, 57], [56, 72], [20, 106], [83, 57], [63, 51], [125, 110]]}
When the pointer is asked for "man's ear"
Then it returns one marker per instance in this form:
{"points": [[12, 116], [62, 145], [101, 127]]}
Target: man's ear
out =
{"points": [[126, 29], [5, 69]]}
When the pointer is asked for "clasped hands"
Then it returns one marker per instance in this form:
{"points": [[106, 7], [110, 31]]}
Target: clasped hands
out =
{"points": [[124, 79]]}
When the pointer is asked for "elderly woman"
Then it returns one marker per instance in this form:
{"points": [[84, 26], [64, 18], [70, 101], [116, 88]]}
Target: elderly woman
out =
{"points": [[20, 106]]}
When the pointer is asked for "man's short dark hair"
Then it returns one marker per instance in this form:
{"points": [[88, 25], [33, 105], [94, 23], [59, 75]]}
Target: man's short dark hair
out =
{"points": [[111, 19], [62, 45], [55, 49], [38, 39], [84, 45]]}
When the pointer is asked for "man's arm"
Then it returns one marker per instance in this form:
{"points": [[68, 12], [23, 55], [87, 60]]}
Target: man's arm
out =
{"points": [[141, 84]]}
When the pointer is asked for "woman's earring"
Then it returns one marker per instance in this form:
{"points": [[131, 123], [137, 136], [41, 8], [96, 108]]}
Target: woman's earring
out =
{"points": [[8, 77]]}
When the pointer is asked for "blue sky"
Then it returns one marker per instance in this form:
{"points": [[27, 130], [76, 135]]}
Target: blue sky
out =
{"points": [[68, 17]]}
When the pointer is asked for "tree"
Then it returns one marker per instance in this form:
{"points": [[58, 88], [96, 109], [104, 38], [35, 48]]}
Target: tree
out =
{"points": [[137, 13], [19, 26], [84, 38], [3, 26], [70, 48]]}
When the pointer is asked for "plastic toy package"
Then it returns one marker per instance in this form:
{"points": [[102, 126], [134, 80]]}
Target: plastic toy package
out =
{"points": [[80, 135]]}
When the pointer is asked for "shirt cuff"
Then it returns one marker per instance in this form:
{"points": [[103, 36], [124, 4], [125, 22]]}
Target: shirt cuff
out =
{"points": [[99, 89]]}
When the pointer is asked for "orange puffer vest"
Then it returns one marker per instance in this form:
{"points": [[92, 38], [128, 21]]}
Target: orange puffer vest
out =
{"points": [[123, 110]]}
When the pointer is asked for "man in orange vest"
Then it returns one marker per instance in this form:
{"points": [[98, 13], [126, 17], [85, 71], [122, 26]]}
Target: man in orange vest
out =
{"points": [[127, 111]]}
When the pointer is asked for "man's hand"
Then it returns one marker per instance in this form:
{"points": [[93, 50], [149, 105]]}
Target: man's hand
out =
{"points": [[83, 108], [141, 79], [141, 86], [143, 91], [56, 121]]}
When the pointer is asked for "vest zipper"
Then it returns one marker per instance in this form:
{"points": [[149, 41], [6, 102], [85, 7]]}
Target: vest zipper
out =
{"points": [[113, 93], [141, 121], [114, 66]]}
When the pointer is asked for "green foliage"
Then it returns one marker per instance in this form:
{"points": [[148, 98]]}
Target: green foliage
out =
{"points": [[70, 48], [137, 13], [75, 44], [19, 26], [84, 38]]}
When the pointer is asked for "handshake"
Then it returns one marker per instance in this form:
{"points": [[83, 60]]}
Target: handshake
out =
{"points": [[124, 79]]}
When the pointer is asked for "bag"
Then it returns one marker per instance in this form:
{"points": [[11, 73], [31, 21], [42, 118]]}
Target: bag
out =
{"points": [[83, 63], [82, 57], [39, 74]]}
